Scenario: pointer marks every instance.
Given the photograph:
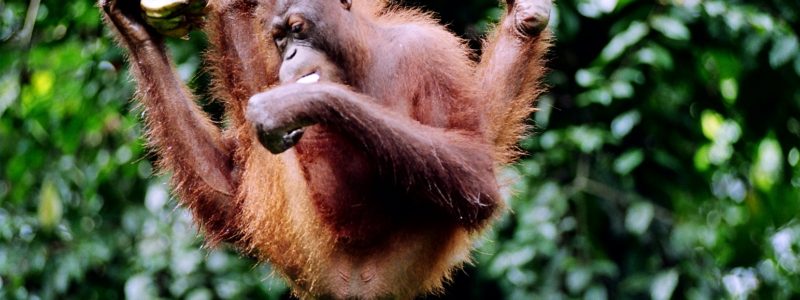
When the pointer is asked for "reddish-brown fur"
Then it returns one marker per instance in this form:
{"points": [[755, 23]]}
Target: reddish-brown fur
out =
{"points": [[386, 194]]}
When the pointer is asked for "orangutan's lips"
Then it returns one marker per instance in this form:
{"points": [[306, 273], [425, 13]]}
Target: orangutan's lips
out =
{"points": [[310, 78]]}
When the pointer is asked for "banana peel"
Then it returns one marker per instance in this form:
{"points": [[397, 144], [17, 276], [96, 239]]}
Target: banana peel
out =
{"points": [[174, 18]]}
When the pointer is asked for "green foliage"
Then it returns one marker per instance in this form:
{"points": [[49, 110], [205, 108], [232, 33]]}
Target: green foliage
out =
{"points": [[665, 162], [662, 168], [81, 213]]}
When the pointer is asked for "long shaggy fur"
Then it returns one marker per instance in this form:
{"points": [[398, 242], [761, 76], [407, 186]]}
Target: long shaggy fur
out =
{"points": [[274, 208]]}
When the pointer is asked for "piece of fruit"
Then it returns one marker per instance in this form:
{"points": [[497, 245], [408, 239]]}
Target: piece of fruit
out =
{"points": [[175, 18], [164, 24], [162, 8]]}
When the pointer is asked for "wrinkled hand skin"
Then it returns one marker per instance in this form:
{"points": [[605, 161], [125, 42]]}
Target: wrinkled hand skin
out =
{"points": [[280, 114], [530, 17]]}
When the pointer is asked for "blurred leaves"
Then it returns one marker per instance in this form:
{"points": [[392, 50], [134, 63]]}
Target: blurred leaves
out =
{"points": [[672, 152], [766, 171], [74, 176], [50, 207], [621, 42]]}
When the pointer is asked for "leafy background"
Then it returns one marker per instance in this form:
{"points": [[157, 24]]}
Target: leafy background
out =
{"points": [[665, 162]]}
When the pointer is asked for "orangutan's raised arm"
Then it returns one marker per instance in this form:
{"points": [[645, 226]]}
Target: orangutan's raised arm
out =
{"points": [[511, 69]]}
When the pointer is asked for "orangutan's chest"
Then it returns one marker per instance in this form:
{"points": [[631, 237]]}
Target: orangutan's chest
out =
{"points": [[348, 191]]}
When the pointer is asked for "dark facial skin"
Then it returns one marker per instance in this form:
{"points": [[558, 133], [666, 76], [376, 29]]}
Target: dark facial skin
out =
{"points": [[301, 57], [297, 38]]}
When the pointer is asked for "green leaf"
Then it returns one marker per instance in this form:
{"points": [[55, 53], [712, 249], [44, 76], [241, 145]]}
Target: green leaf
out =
{"points": [[711, 122], [596, 8], [50, 207], [628, 161], [664, 285], [621, 89], [599, 95], [784, 49], [714, 8], [671, 28], [587, 77], [796, 70], [729, 88], [624, 40], [794, 157], [762, 21], [513, 258], [766, 171], [639, 217], [624, 123], [586, 138], [9, 90], [578, 279], [140, 287], [656, 56]]}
